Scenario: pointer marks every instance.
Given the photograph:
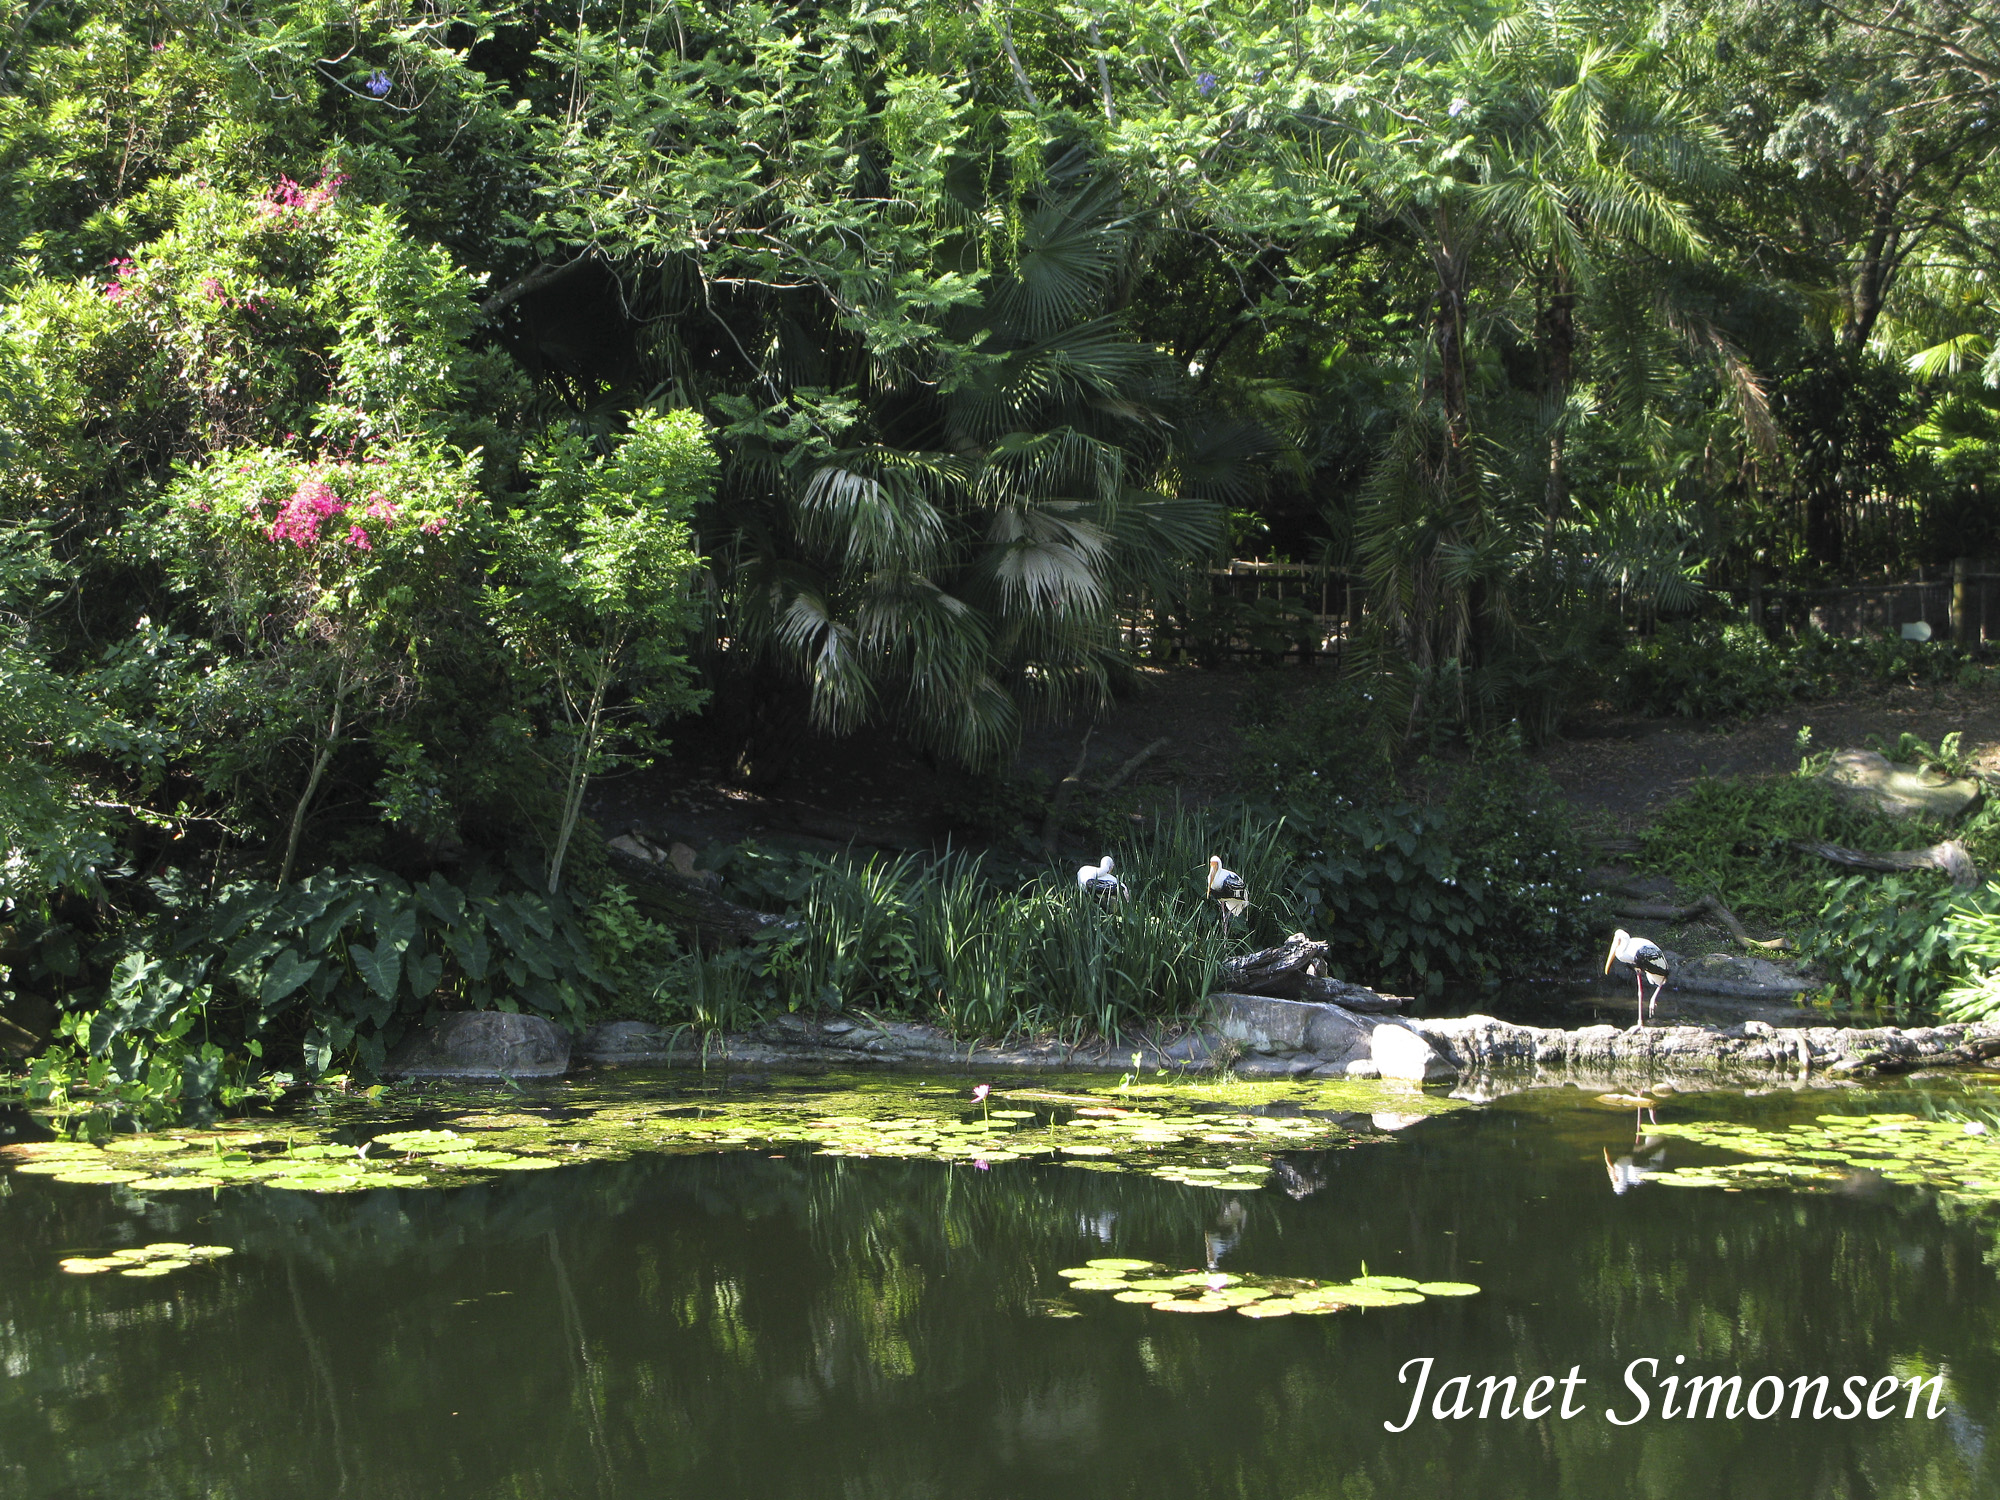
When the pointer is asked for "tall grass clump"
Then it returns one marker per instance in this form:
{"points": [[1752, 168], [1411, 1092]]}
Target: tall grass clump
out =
{"points": [[942, 940]]}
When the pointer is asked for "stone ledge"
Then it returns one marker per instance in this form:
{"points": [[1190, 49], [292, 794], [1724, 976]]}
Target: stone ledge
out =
{"points": [[483, 1044]]}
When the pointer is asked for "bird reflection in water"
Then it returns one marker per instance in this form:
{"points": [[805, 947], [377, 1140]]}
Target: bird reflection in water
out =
{"points": [[1297, 1181], [1220, 1240], [1630, 1170]]}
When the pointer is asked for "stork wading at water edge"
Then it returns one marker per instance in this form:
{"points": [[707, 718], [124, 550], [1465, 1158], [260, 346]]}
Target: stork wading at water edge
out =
{"points": [[1225, 889], [1646, 961], [1097, 880]]}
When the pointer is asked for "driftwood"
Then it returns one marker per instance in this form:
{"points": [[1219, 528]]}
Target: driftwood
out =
{"points": [[1053, 822], [1951, 856], [1296, 970], [1707, 906], [686, 902]]}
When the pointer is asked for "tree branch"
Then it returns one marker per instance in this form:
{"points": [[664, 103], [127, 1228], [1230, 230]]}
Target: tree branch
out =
{"points": [[530, 282], [1014, 60]]}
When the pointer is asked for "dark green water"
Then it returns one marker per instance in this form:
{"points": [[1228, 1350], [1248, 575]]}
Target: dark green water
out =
{"points": [[757, 1326]]}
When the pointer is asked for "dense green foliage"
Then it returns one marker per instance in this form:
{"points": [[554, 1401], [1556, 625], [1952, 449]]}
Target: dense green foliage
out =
{"points": [[407, 413], [1718, 670], [1730, 838], [1475, 871]]}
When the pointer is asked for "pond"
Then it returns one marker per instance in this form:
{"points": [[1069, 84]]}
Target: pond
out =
{"points": [[856, 1289]]}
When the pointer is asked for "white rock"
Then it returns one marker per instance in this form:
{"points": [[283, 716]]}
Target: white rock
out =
{"points": [[1400, 1053]]}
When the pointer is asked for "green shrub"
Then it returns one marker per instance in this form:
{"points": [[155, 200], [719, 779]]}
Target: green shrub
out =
{"points": [[330, 971], [1703, 671], [1883, 940], [1712, 670], [1409, 895], [1319, 752], [1728, 837], [1972, 929]]}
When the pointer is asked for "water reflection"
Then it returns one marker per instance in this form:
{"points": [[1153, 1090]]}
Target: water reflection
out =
{"points": [[759, 1325]]}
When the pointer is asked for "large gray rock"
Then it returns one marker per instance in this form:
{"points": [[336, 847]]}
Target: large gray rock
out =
{"points": [[629, 1044], [1870, 779], [1259, 1065], [1495, 1057], [1327, 1040], [1726, 974], [483, 1044], [1339, 1036], [1256, 1023]]}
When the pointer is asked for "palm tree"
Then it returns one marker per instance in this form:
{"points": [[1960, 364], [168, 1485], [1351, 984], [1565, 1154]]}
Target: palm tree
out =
{"points": [[955, 561], [1593, 156]]}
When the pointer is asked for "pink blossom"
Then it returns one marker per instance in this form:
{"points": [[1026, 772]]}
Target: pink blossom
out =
{"points": [[380, 507], [431, 527], [357, 538], [300, 518], [288, 202], [979, 1094], [211, 289]]}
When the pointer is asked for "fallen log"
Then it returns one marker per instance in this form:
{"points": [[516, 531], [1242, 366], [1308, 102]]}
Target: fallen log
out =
{"points": [[1656, 911], [1296, 970], [1951, 856]]}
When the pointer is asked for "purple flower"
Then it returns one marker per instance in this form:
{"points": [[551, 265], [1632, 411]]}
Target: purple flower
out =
{"points": [[379, 84], [1205, 82]]}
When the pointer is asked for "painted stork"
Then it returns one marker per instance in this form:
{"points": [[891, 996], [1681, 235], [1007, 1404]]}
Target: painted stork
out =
{"points": [[1225, 889], [1646, 961], [1097, 880]]}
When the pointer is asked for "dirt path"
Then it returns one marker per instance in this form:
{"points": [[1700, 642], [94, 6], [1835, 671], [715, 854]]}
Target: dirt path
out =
{"points": [[1620, 770]]}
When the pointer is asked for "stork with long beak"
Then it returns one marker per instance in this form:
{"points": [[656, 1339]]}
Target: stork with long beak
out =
{"points": [[1646, 960], [1225, 889], [1097, 880]]}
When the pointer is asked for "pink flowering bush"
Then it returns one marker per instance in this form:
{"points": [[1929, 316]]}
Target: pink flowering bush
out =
{"points": [[272, 505], [288, 204]]}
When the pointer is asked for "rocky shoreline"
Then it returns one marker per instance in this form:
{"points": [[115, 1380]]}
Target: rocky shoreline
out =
{"points": [[1251, 1036]]}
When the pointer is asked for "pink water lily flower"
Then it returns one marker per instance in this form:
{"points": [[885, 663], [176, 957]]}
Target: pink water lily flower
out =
{"points": [[979, 1094]]}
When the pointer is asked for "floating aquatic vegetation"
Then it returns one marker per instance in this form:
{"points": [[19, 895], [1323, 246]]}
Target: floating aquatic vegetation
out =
{"points": [[1220, 1136], [1949, 1155], [1166, 1290], [161, 1259]]}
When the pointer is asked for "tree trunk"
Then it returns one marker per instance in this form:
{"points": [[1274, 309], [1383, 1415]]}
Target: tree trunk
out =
{"points": [[579, 764], [1561, 334], [1446, 383], [320, 762]]}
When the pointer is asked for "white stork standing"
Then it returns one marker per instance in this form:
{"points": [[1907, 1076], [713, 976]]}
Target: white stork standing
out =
{"points": [[1097, 880], [1646, 961], [1225, 889]]}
